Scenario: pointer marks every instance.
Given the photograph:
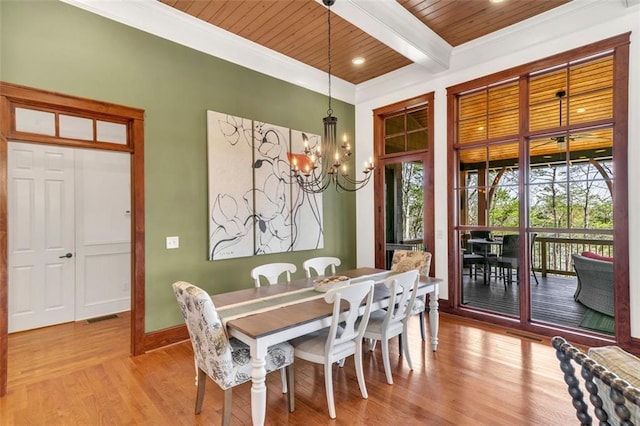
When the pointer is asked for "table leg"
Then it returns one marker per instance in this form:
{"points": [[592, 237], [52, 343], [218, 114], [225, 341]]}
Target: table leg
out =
{"points": [[434, 320], [258, 387]]}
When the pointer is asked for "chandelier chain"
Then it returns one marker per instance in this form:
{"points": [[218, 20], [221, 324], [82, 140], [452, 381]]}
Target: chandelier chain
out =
{"points": [[323, 163], [330, 110]]}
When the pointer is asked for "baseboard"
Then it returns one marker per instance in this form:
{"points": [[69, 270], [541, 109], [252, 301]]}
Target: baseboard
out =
{"points": [[166, 336]]}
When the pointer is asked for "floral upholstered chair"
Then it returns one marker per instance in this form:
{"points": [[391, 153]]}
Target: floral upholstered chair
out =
{"points": [[227, 361], [407, 260]]}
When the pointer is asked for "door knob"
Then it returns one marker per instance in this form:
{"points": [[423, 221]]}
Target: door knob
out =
{"points": [[68, 255]]}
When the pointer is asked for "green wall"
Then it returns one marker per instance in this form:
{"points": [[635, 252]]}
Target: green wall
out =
{"points": [[53, 46]]}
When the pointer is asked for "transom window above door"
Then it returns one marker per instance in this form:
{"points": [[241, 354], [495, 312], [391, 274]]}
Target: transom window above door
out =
{"points": [[68, 126], [407, 130]]}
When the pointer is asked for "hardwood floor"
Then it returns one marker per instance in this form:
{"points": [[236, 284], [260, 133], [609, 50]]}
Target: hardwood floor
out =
{"points": [[82, 374]]}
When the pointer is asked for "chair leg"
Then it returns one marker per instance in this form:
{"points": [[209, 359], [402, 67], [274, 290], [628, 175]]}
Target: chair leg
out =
{"points": [[202, 382], [291, 397], [534, 275], [405, 348], [422, 330], [283, 375], [504, 278], [328, 385], [385, 359], [226, 409], [360, 371], [372, 344]]}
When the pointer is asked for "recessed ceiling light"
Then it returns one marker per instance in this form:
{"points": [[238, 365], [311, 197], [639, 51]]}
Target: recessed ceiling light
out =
{"points": [[581, 110], [358, 61], [497, 1]]}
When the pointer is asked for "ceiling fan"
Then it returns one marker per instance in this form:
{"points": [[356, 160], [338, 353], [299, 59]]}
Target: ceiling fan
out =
{"points": [[561, 140]]}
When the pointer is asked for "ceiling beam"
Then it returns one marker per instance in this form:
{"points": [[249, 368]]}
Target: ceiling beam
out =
{"points": [[393, 25]]}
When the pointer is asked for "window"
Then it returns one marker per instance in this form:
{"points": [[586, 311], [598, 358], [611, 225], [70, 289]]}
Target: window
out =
{"points": [[535, 149]]}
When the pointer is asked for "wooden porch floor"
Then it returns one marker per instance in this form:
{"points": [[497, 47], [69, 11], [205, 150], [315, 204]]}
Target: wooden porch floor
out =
{"points": [[552, 298]]}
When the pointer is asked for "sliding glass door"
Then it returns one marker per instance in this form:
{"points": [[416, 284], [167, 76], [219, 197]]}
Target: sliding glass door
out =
{"points": [[533, 194]]}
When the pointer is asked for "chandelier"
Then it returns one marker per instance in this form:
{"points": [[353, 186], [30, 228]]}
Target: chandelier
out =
{"points": [[319, 167]]}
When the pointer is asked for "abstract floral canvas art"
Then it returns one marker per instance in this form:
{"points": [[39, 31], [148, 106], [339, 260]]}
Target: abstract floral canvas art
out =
{"points": [[255, 207]]}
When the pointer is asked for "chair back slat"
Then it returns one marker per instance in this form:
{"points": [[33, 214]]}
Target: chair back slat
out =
{"points": [[510, 244], [272, 272], [319, 265], [403, 288], [348, 329]]}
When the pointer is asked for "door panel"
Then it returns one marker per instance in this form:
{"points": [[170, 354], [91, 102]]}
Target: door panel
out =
{"points": [[103, 233], [41, 224]]}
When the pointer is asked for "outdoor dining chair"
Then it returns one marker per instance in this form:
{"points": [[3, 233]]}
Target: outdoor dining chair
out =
{"points": [[507, 261], [342, 339], [386, 324], [319, 265], [227, 361]]}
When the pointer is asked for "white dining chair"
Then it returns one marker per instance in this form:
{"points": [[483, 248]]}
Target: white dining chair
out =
{"points": [[406, 260], [319, 265], [385, 324], [342, 339], [272, 272], [227, 361]]}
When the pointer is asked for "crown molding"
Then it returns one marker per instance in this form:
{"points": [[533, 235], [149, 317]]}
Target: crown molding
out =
{"points": [[171, 24]]}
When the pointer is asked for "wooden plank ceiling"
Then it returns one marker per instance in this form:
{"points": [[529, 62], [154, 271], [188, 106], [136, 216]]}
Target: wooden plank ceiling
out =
{"points": [[298, 28]]}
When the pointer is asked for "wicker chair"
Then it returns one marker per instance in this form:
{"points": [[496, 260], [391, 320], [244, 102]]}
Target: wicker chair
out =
{"points": [[610, 379], [595, 283]]}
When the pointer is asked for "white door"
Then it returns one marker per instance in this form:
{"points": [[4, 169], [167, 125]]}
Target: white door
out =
{"points": [[41, 236], [69, 234], [103, 233]]}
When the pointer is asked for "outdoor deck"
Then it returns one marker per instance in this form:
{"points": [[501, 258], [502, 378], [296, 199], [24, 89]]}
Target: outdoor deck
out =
{"points": [[552, 301]]}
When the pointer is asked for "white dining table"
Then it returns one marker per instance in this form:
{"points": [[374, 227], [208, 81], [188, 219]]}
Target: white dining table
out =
{"points": [[261, 317]]}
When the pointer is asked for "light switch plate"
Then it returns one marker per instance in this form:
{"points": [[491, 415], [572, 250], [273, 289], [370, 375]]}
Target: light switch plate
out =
{"points": [[173, 242]]}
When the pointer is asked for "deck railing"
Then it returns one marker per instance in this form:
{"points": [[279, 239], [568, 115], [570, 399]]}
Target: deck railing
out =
{"points": [[553, 255]]}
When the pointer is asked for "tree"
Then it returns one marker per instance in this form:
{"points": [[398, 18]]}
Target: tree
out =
{"points": [[412, 200]]}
